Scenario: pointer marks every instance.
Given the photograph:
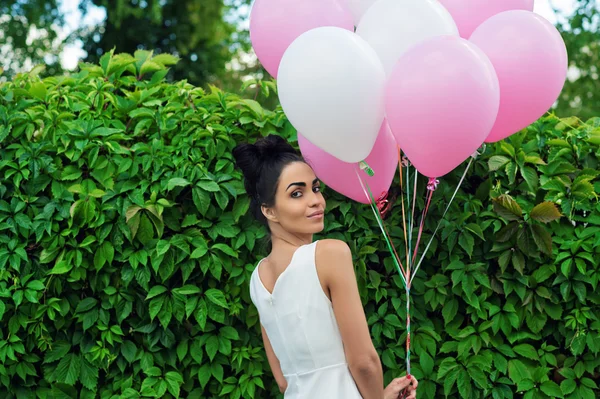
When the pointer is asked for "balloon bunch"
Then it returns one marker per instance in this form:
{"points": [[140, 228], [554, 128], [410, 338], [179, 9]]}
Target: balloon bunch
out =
{"points": [[362, 79]]}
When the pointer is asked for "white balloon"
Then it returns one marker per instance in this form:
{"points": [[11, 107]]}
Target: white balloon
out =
{"points": [[358, 8], [391, 27], [331, 86]]}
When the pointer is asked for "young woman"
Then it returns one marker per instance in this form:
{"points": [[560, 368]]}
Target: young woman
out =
{"points": [[313, 324]]}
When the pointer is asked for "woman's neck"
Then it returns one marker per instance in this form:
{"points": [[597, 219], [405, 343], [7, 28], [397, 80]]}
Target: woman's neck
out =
{"points": [[281, 238]]}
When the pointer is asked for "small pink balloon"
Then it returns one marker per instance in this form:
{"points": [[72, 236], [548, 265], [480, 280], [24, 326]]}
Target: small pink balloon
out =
{"points": [[275, 24], [441, 102], [341, 176], [469, 14], [531, 61]]}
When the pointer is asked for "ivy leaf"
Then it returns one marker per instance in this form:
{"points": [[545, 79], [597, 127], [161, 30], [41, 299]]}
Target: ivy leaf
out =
{"points": [[450, 310], [88, 375], [531, 177], [217, 297], [68, 369], [551, 389], [61, 267], [128, 350], [212, 346], [545, 212], [467, 242], [517, 371], [527, 351], [496, 162], [177, 182], [507, 207], [58, 351], [542, 239], [174, 381]]}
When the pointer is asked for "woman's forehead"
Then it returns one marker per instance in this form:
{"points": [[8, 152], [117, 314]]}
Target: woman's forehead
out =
{"points": [[297, 172]]}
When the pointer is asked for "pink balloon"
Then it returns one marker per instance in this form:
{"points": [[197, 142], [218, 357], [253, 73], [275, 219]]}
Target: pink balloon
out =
{"points": [[275, 24], [531, 61], [469, 14], [441, 102], [341, 176]]}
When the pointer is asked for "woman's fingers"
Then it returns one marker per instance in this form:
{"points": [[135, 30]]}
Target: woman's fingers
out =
{"points": [[401, 383], [415, 383]]}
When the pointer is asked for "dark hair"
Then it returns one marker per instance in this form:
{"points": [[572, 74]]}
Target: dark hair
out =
{"points": [[262, 164]]}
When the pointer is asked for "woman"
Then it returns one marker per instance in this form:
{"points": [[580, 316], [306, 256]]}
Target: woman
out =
{"points": [[313, 325]]}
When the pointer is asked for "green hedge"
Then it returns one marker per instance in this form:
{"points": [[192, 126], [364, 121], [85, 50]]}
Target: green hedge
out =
{"points": [[126, 248]]}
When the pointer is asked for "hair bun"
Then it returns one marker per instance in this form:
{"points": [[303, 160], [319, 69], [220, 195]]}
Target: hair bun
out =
{"points": [[273, 145], [250, 158]]}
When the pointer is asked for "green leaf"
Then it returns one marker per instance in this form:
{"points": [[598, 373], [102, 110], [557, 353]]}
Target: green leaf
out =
{"points": [[156, 291], [517, 371], [104, 254], [68, 369], [496, 162], [174, 381], [527, 351], [542, 239], [552, 389], [467, 242], [531, 177], [212, 346], [86, 304], [204, 375], [128, 350], [217, 297], [88, 375], [507, 208], [177, 182], [545, 212], [58, 350], [182, 349], [187, 290], [229, 333], [38, 90], [61, 267], [568, 386], [450, 310], [209, 186]]}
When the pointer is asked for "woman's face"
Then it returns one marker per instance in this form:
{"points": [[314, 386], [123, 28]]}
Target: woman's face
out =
{"points": [[299, 205]]}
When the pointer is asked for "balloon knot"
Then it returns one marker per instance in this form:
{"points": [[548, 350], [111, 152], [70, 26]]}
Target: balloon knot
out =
{"points": [[366, 168], [433, 184]]}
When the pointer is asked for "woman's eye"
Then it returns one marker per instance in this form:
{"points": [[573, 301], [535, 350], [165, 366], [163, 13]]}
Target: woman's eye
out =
{"points": [[317, 189], [296, 194]]}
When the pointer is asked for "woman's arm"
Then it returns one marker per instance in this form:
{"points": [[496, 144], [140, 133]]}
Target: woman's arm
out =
{"points": [[334, 261], [273, 362]]}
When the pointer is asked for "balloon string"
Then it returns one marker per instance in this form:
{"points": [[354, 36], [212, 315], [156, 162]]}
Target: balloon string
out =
{"points": [[403, 274], [413, 213], [462, 179], [403, 210], [410, 216], [430, 189]]}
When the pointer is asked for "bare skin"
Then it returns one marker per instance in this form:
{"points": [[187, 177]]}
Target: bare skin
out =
{"points": [[297, 215]]}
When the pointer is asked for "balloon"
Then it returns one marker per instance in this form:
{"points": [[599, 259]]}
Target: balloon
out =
{"points": [[275, 24], [531, 61], [358, 8], [469, 14], [331, 86], [391, 27], [341, 176], [441, 102]]}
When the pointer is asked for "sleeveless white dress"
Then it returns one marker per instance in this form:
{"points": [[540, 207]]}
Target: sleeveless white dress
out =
{"points": [[299, 320]]}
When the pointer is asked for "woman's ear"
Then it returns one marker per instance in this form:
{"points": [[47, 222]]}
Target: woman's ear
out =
{"points": [[269, 213]]}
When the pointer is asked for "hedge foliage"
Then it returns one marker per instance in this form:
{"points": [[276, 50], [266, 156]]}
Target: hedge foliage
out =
{"points": [[126, 248]]}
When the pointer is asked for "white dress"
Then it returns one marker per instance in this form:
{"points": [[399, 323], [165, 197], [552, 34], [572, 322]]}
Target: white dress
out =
{"points": [[299, 320]]}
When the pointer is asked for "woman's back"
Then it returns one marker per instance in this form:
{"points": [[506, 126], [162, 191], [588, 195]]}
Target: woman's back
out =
{"points": [[299, 320]]}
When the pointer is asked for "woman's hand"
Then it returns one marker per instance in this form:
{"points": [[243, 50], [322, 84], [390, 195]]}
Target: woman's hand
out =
{"points": [[397, 387]]}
